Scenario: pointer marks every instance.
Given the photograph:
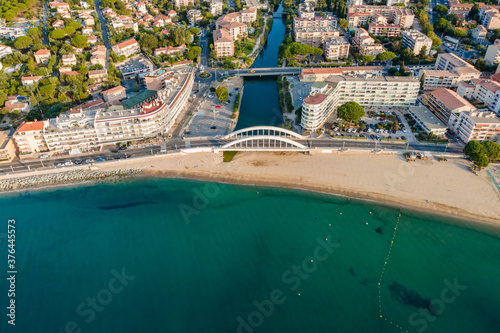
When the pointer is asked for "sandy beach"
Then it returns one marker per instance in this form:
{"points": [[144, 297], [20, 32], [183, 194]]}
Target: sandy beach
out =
{"points": [[443, 187], [447, 188]]}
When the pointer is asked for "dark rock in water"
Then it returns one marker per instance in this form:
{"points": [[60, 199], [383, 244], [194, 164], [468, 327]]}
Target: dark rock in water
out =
{"points": [[352, 272], [379, 230], [408, 297]]}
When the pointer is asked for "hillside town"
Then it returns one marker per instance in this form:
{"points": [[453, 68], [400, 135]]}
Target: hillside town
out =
{"points": [[79, 76]]}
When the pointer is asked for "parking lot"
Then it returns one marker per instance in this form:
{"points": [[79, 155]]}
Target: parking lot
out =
{"points": [[213, 118], [376, 128]]}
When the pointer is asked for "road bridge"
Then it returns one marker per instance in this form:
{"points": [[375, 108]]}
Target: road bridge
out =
{"points": [[272, 71]]}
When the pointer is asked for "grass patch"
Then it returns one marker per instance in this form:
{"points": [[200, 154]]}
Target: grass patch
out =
{"points": [[248, 47], [227, 156], [204, 75]]}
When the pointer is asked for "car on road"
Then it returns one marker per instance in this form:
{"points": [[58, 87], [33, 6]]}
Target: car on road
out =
{"points": [[68, 163], [89, 161], [251, 71], [108, 158], [60, 165], [117, 157], [99, 159], [213, 127], [218, 107], [78, 162], [113, 150], [211, 95], [123, 147], [44, 156]]}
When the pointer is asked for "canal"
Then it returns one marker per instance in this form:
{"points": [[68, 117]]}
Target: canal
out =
{"points": [[260, 103]]}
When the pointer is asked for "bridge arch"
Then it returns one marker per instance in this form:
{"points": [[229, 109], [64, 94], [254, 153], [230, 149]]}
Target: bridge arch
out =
{"points": [[264, 131], [264, 143]]}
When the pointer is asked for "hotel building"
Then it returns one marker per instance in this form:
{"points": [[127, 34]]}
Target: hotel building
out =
{"points": [[443, 102], [327, 96], [475, 125], [321, 74], [415, 41], [482, 90], [92, 125], [335, 48]]}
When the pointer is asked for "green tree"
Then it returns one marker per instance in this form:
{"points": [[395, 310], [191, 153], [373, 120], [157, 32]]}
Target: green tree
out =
{"points": [[402, 69], [75, 25], [384, 56], [367, 58], [491, 149], [69, 30], [193, 53], [441, 24], [350, 111], [423, 52], [136, 87], [222, 93], [441, 10], [57, 34], [22, 42], [343, 23], [79, 41]]}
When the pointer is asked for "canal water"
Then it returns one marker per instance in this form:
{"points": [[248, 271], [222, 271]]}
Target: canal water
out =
{"points": [[260, 103]]}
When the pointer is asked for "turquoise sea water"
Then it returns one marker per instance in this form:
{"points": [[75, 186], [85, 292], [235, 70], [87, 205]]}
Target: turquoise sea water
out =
{"points": [[202, 257]]}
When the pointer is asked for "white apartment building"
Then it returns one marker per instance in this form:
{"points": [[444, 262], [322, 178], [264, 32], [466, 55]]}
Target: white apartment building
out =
{"points": [[315, 31], [435, 79], [216, 7], [335, 48], [482, 90], [492, 55], [127, 48], [366, 44], [402, 17], [449, 61], [415, 41], [385, 29], [94, 124], [194, 16], [306, 10], [180, 3], [444, 102], [479, 33], [321, 74], [5, 50], [475, 125], [29, 138], [393, 2], [326, 97]]}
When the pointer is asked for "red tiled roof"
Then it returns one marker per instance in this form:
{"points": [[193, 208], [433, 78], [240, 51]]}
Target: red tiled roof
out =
{"points": [[31, 126], [115, 89], [316, 99]]}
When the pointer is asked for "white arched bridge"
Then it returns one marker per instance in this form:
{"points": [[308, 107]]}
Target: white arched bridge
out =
{"points": [[264, 138]]}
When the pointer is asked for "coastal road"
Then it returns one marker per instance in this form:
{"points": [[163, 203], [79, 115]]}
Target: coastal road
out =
{"points": [[176, 144]]}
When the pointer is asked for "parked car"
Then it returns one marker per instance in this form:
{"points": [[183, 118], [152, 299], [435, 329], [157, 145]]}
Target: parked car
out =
{"points": [[108, 158], [68, 163], [44, 156], [89, 160], [78, 162], [99, 159]]}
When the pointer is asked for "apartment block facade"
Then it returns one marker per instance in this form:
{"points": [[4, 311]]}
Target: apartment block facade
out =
{"points": [[326, 97]]}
